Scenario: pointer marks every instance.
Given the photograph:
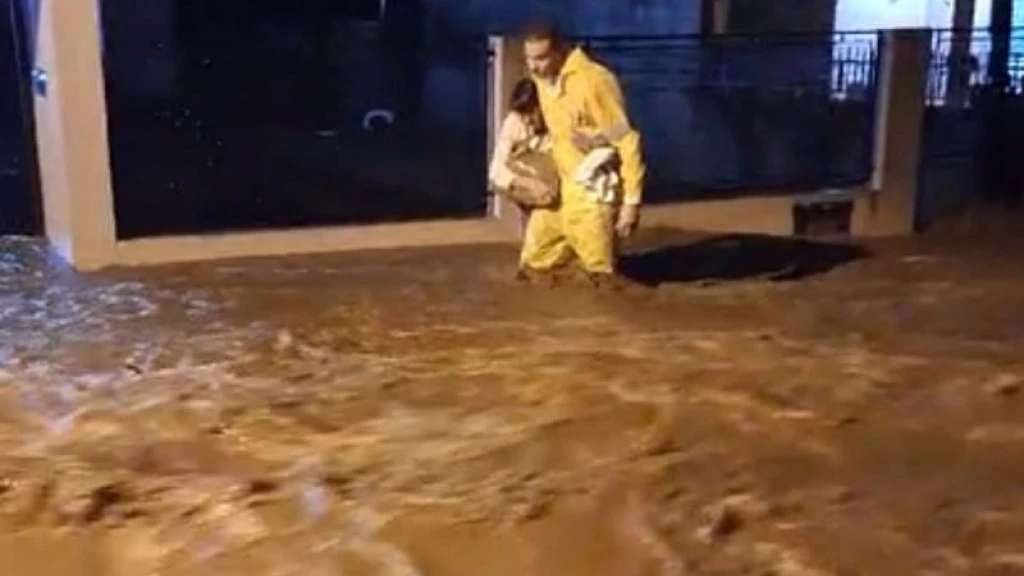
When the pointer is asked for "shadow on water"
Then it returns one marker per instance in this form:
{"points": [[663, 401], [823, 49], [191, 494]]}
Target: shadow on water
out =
{"points": [[738, 257]]}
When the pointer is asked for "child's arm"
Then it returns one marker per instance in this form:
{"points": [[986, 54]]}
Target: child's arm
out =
{"points": [[499, 174]]}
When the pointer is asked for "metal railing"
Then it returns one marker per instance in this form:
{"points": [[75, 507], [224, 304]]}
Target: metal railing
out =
{"points": [[970, 143], [740, 113], [841, 61], [270, 128], [960, 65], [274, 123]]}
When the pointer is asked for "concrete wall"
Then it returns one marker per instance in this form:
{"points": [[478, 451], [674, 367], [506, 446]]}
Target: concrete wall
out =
{"points": [[77, 194]]}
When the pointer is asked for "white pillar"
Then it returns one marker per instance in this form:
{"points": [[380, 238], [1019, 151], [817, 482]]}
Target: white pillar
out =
{"points": [[507, 67], [890, 209], [720, 16], [71, 132]]}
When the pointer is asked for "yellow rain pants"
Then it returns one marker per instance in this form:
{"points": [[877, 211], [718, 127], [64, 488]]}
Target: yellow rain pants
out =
{"points": [[585, 98]]}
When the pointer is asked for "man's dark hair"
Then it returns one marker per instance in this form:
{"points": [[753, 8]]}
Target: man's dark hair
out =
{"points": [[544, 31]]}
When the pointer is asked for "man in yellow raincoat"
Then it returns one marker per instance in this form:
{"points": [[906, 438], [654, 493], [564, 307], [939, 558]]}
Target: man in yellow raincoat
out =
{"points": [[580, 99]]}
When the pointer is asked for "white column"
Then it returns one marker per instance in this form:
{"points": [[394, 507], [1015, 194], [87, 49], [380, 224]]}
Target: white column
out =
{"points": [[71, 131], [720, 16], [890, 209], [507, 67]]}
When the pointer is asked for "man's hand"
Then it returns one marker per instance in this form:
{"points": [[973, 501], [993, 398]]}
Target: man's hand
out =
{"points": [[627, 220], [585, 143]]}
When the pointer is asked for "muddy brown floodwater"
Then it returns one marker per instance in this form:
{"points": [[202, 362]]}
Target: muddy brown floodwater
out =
{"points": [[768, 409]]}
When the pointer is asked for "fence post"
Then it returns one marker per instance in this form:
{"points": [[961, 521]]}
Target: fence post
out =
{"points": [[507, 67], [714, 16], [903, 74], [959, 57], [71, 133]]}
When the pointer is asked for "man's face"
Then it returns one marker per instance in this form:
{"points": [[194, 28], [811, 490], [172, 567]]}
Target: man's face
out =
{"points": [[542, 59]]}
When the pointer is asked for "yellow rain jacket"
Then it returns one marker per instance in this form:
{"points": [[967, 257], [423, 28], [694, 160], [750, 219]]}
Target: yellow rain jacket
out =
{"points": [[585, 98]]}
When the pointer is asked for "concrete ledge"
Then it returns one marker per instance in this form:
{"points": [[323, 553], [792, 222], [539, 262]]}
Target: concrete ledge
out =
{"points": [[756, 215], [832, 195], [769, 215], [177, 249]]}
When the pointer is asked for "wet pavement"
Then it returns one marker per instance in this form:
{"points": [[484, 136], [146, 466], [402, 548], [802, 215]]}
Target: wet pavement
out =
{"points": [[766, 407]]}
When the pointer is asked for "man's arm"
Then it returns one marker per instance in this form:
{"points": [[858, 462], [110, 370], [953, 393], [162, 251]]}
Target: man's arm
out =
{"points": [[609, 111]]}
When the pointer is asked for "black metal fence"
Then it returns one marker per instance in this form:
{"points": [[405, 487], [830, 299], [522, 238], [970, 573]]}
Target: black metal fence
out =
{"points": [[224, 117], [19, 198], [971, 145], [231, 115], [960, 68], [733, 114]]}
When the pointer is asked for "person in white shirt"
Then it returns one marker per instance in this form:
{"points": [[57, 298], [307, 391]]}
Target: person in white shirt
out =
{"points": [[522, 129]]}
